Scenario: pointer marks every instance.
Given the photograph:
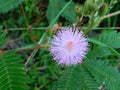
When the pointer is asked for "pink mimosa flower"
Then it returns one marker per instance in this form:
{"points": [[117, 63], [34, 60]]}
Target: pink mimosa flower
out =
{"points": [[69, 46]]}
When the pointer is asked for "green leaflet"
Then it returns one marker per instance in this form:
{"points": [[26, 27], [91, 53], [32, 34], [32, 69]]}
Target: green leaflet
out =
{"points": [[77, 78], [110, 38], [69, 13], [12, 72], [107, 42], [2, 37], [7, 5], [104, 45], [102, 72], [98, 52]]}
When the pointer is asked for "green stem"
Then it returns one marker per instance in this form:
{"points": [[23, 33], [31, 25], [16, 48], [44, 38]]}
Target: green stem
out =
{"points": [[104, 45], [110, 15], [53, 22]]}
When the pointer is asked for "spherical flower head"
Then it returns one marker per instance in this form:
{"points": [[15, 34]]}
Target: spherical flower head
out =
{"points": [[69, 46]]}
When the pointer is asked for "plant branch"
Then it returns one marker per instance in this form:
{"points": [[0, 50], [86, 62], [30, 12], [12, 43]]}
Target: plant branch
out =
{"points": [[21, 29], [32, 48], [53, 22], [23, 12], [43, 28], [35, 51], [110, 15]]}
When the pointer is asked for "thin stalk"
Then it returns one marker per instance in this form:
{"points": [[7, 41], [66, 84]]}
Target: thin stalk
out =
{"points": [[23, 12], [43, 28], [53, 22], [110, 15], [35, 51], [104, 45]]}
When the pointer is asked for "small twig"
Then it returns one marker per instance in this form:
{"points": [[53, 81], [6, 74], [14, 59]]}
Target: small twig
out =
{"points": [[110, 15], [23, 12], [24, 49], [43, 85], [97, 28], [31, 56], [28, 26], [35, 51], [43, 28], [33, 48], [21, 29], [42, 68]]}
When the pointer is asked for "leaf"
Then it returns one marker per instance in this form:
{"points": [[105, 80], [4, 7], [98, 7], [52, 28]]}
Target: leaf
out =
{"points": [[104, 45], [3, 38], [12, 72], [55, 6], [70, 81], [103, 72], [98, 52], [110, 38], [77, 78], [106, 42], [69, 13], [7, 5], [88, 81]]}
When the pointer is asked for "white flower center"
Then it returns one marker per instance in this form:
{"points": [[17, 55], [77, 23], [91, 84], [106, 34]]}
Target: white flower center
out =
{"points": [[70, 46]]}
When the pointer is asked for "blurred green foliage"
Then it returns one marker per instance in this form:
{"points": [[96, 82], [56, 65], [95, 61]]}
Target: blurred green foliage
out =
{"points": [[43, 72], [55, 7], [9, 5]]}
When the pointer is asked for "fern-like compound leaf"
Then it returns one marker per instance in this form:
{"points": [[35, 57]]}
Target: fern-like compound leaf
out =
{"points": [[77, 78], [107, 42], [12, 72], [110, 38], [89, 83], [104, 73]]}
